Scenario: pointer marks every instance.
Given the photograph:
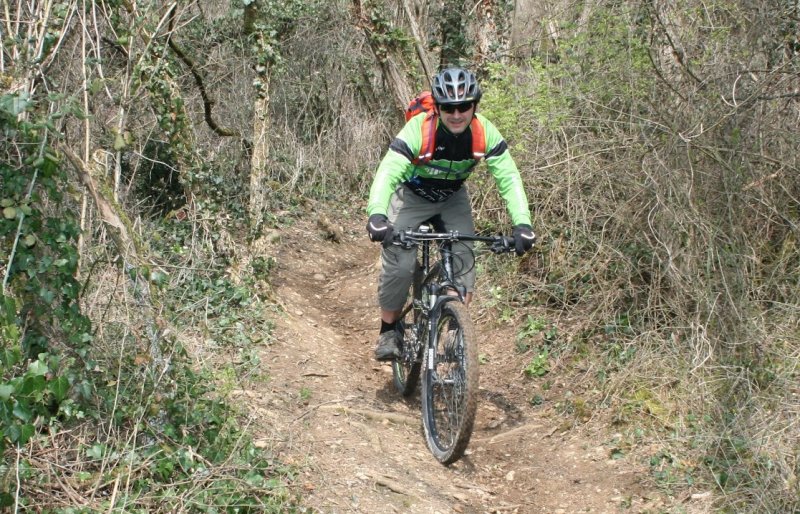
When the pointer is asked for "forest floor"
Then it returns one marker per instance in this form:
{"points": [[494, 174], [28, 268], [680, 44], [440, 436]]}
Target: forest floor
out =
{"points": [[332, 411]]}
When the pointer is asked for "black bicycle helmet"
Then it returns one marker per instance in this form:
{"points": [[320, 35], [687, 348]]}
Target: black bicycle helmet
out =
{"points": [[455, 86]]}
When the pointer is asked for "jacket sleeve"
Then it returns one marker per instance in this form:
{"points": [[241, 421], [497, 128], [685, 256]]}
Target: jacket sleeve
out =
{"points": [[506, 175], [396, 166]]}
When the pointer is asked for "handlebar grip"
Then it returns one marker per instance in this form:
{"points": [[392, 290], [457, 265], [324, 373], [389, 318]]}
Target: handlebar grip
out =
{"points": [[400, 238], [504, 244]]}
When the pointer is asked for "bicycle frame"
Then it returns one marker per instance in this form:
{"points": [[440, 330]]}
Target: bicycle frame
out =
{"points": [[437, 289], [446, 281]]}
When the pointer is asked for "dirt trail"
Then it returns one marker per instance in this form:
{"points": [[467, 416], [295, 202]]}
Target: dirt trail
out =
{"points": [[332, 410]]}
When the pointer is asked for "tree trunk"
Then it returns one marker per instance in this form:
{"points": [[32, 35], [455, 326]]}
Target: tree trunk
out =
{"points": [[526, 29], [397, 82], [129, 246], [377, 28], [259, 161], [419, 43], [492, 42]]}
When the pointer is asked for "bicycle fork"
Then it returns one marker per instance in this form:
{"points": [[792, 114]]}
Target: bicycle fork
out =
{"points": [[450, 350]]}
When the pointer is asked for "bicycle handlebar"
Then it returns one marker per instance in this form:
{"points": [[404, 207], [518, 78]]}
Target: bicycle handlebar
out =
{"points": [[409, 238]]}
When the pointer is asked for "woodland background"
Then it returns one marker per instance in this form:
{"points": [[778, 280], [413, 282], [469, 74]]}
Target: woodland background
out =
{"points": [[145, 145]]}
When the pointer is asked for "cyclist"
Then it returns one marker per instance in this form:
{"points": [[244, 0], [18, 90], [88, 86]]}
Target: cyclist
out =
{"points": [[404, 194]]}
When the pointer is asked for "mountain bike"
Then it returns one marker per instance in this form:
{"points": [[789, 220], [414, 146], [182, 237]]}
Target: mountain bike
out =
{"points": [[438, 339]]}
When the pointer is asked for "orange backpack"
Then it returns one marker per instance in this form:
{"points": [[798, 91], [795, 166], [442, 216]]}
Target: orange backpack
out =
{"points": [[424, 102]]}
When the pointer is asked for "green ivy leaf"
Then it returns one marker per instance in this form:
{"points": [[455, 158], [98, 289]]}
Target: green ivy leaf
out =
{"points": [[158, 277], [14, 105], [22, 412], [9, 213], [38, 368], [10, 356], [95, 452], [119, 142], [95, 86], [31, 386], [19, 433], [59, 387], [46, 295], [25, 432], [6, 391]]}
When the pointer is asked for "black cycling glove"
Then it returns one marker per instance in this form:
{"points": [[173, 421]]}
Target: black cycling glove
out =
{"points": [[379, 228], [523, 238]]}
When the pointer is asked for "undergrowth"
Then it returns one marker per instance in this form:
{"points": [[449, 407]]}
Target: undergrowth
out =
{"points": [[662, 260], [103, 405]]}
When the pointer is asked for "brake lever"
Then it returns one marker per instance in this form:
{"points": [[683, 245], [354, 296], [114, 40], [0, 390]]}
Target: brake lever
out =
{"points": [[502, 245], [401, 240]]}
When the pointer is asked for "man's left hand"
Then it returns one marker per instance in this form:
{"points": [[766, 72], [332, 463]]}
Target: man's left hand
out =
{"points": [[523, 238]]}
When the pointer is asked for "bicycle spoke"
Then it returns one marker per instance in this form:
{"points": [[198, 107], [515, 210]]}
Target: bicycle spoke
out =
{"points": [[449, 392]]}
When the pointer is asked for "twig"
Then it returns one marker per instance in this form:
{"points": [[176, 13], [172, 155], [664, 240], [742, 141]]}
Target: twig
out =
{"points": [[313, 408], [76, 498], [380, 416], [394, 486], [208, 103], [19, 483], [501, 508]]}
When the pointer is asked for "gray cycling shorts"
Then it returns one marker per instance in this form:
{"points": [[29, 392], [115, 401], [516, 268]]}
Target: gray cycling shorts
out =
{"points": [[408, 211]]}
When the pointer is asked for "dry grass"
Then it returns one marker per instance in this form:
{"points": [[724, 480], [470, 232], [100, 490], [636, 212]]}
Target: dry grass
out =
{"points": [[691, 242]]}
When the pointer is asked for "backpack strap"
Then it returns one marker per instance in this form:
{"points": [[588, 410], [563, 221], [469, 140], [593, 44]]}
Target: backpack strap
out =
{"points": [[428, 139], [478, 139]]}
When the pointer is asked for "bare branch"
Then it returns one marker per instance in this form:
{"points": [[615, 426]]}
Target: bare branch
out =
{"points": [[208, 103]]}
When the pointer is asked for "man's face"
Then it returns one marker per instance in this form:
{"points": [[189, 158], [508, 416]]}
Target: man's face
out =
{"points": [[454, 118]]}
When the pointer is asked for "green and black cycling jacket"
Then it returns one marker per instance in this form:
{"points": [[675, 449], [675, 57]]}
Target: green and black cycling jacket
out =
{"points": [[453, 161]]}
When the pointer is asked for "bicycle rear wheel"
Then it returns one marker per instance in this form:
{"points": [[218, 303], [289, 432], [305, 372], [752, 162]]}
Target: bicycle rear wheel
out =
{"points": [[450, 384], [405, 369]]}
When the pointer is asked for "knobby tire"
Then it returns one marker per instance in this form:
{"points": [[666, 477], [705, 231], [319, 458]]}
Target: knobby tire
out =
{"points": [[450, 384]]}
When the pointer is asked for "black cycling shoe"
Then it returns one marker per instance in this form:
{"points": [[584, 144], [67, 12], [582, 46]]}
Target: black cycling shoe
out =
{"points": [[387, 348]]}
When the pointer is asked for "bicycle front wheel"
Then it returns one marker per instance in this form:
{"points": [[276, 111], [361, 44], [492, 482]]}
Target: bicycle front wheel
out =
{"points": [[450, 384]]}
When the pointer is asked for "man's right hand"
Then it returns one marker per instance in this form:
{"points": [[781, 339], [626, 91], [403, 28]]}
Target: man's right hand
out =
{"points": [[379, 228]]}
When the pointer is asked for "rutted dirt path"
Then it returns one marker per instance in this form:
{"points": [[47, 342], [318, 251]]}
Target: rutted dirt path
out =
{"points": [[332, 410]]}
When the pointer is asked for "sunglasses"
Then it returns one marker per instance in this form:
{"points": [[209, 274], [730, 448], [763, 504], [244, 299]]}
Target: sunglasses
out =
{"points": [[451, 108]]}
